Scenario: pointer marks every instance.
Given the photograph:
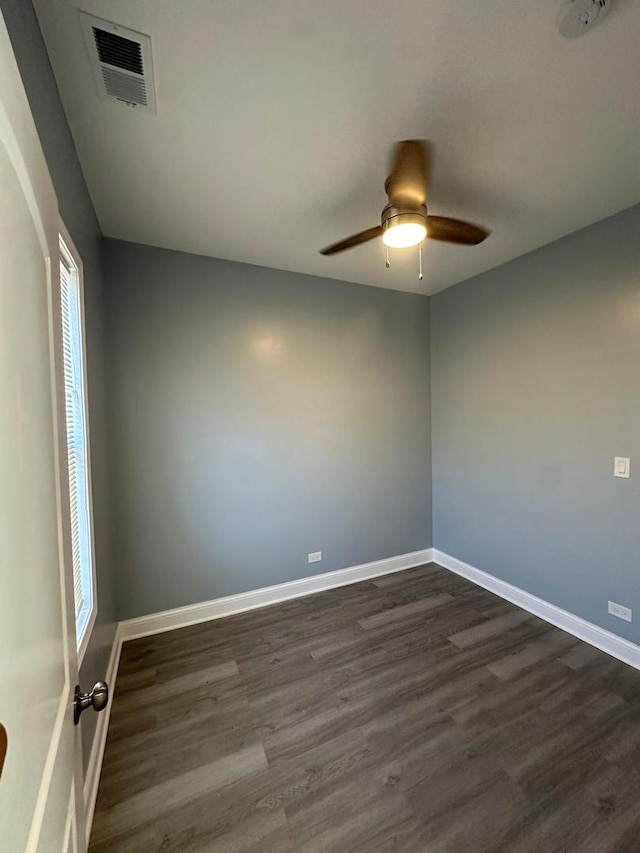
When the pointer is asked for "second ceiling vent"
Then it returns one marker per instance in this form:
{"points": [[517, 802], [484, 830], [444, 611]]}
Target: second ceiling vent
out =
{"points": [[121, 62]]}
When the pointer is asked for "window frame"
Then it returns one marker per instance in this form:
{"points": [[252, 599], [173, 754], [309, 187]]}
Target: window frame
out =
{"points": [[69, 255]]}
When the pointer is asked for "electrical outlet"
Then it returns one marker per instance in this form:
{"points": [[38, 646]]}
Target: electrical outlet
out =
{"points": [[316, 557], [620, 611]]}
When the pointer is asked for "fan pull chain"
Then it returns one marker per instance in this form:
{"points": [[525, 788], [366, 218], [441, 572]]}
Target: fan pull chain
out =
{"points": [[387, 264], [420, 256]]}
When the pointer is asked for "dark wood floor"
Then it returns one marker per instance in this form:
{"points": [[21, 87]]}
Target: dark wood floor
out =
{"points": [[415, 713]]}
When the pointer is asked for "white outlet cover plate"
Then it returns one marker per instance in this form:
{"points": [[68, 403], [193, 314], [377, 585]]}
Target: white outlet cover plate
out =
{"points": [[620, 611], [315, 557]]}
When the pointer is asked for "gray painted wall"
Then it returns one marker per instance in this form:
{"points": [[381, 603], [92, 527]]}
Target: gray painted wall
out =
{"points": [[535, 389], [259, 415], [79, 217]]}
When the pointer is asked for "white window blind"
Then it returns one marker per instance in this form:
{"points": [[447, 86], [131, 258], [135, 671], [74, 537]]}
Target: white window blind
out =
{"points": [[77, 447]]}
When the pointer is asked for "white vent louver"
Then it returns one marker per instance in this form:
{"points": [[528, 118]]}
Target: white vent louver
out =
{"points": [[121, 62]]}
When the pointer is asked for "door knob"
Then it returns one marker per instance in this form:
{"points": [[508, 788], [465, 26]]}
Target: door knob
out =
{"points": [[98, 698]]}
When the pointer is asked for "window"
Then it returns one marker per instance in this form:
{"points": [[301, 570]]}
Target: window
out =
{"points": [[72, 318]]}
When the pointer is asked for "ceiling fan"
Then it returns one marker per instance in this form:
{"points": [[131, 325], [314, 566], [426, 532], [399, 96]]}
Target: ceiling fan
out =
{"points": [[405, 221]]}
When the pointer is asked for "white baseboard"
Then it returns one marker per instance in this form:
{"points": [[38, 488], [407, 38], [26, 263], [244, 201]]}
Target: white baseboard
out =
{"points": [[617, 647], [92, 777], [205, 611]]}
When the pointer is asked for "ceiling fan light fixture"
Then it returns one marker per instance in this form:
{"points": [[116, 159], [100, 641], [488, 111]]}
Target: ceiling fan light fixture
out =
{"points": [[405, 221], [404, 230]]}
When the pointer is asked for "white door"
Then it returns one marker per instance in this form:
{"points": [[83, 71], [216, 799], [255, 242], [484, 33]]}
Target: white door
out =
{"points": [[40, 786]]}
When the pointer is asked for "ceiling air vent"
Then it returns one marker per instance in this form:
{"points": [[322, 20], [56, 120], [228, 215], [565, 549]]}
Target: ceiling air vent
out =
{"points": [[121, 62]]}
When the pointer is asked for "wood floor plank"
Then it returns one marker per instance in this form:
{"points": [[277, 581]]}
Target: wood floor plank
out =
{"points": [[414, 713], [489, 628], [262, 831], [405, 611], [475, 818], [532, 653], [145, 806]]}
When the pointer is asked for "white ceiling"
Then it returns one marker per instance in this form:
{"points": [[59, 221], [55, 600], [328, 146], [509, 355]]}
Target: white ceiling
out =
{"points": [[275, 121]]}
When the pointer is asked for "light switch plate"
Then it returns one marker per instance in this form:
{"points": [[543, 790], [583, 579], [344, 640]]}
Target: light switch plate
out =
{"points": [[622, 467]]}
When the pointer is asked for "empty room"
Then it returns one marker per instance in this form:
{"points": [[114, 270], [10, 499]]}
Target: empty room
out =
{"points": [[320, 458]]}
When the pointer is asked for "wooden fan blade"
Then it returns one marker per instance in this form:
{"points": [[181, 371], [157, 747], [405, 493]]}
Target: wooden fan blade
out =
{"points": [[455, 231], [406, 186], [355, 240]]}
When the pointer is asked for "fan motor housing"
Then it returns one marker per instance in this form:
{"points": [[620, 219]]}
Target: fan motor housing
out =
{"points": [[400, 215]]}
